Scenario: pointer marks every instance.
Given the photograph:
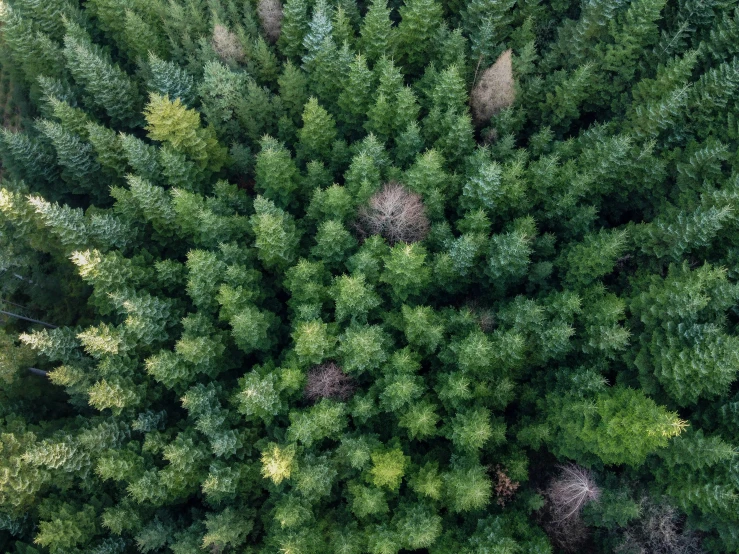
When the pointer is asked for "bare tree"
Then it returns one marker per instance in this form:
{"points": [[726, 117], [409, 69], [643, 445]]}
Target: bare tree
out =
{"points": [[566, 496], [270, 14], [568, 534], [226, 44], [395, 213], [495, 90], [328, 381], [658, 531]]}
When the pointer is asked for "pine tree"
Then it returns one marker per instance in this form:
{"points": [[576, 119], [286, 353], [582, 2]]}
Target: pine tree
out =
{"points": [[621, 426], [220, 92], [141, 36], [33, 50], [250, 328], [142, 157], [319, 30], [594, 257], [467, 487], [276, 175], [334, 244], [27, 157], [293, 90], [406, 271], [488, 25], [108, 149], [570, 90], [343, 32], [362, 348], [722, 42], [75, 156]]}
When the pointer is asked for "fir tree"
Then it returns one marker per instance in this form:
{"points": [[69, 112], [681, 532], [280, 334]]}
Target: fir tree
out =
{"points": [[377, 32], [106, 85], [419, 21]]}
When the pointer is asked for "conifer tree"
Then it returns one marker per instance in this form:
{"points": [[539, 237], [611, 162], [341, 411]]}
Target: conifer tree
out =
{"points": [[276, 235], [27, 157], [317, 135], [105, 84], [168, 79], [171, 122], [354, 100], [419, 22], [294, 28], [622, 427], [276, 174], [377, 39], [343, 282]]}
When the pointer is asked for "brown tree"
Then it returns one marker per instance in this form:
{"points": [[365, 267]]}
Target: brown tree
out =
{"points": [[494, 91], [270, 14], [395, 213], [227, 45], [328, 381], [505, 487]]}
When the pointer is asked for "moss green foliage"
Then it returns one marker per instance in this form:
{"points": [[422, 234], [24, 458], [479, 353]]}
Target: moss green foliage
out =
{"points": [[353, 277]]}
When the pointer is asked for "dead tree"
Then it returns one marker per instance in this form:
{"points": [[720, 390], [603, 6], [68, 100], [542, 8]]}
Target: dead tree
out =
{"points": [[395, 213]]}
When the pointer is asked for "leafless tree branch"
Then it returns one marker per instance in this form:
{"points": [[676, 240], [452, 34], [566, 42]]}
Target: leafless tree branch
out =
{"points": [[395, 213]]}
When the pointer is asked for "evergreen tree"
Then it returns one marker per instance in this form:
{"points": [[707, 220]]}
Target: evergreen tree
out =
{"points": [[294, 28], [354, 100], [377, 40], [621, 426], [296, 301], [276, 235], [171, 122], [168, 79], [419, 21], [317, 134], [105, 84], [276, 174]]}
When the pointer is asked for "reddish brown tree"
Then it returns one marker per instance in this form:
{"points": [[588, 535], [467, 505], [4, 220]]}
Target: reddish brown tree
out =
{"points": [[505, 487], [395, 213], [328, 381]]}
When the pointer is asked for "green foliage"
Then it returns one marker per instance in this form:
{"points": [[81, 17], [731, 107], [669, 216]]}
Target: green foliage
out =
{"points": [[419, 21], [106, 84], [621, 426], [377, 32], [276, 235], [198, 194], [317, 135], [171, 122], [406, 271], [388, 468]]}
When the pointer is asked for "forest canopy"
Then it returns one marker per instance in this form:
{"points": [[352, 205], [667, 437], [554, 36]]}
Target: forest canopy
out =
{"points": [[369, 276]]}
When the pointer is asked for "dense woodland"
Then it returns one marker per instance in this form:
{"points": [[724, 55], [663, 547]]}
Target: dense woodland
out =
{"points": [[369, 276]]}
